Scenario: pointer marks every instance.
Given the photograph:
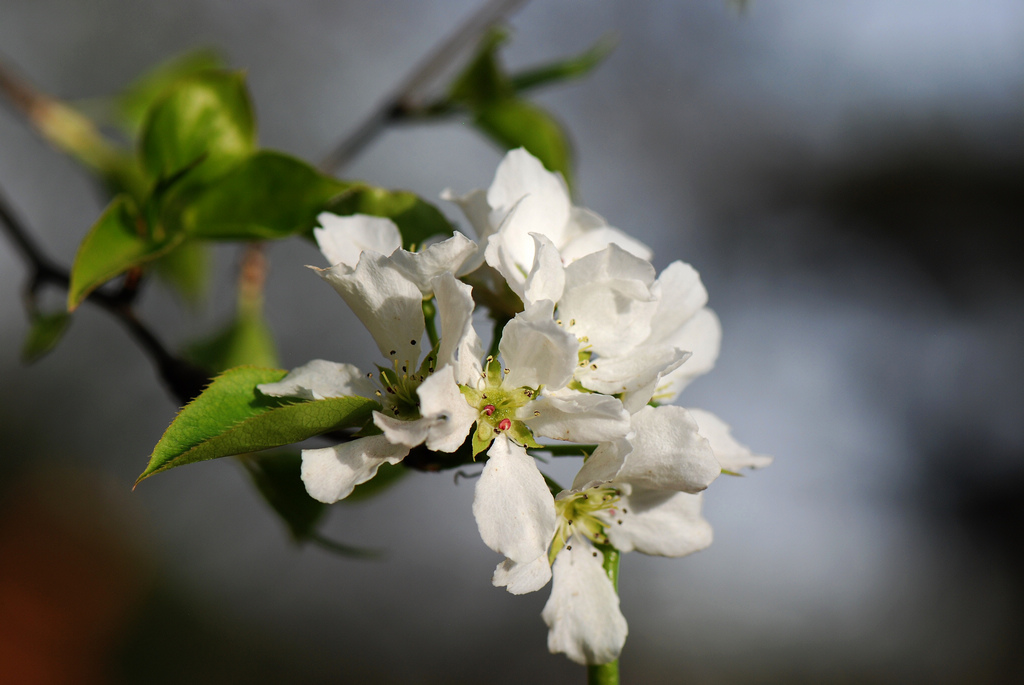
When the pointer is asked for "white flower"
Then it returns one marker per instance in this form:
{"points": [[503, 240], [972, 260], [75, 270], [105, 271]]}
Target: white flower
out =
{"points": [[386, 292], [526, 198]]}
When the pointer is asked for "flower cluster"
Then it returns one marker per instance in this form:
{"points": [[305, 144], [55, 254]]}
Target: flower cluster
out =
{"points": [[596, 347]]}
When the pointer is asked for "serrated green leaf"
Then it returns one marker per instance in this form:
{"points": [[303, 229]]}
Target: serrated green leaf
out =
{"points": [[44, 333], [566, 69], [278, 477], [232, 417], [134, 102], [245, 341], [267, 196], [417, 219], [186, 269], [117, 242], [518, 123], [206, 117], [483, 81]]}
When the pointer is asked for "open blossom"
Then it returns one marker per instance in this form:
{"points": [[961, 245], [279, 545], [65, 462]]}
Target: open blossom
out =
{"points": [[526, 198], [385, 286]]}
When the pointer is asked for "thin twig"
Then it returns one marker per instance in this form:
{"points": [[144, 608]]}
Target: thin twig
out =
{"points": [[399, 104], [184, 380]]}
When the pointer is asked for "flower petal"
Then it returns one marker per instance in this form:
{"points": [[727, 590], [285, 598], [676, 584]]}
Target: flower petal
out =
{"points": [[680, 295], [343, 238], [668, 452], [385, 300], [576, 416], [547, 277], [730, 454], [447, 256], [513, 507], [522, 578], [405, 432], [450, 415], [630, 372], [460, 345], [320, 379], [594, 238], [583, 612], [702, 336], [659, 522], [331, 473], [537, 350]]}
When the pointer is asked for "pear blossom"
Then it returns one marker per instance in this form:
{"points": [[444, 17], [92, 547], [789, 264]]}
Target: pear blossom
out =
{"points": [[526, 198], [386, 292]]}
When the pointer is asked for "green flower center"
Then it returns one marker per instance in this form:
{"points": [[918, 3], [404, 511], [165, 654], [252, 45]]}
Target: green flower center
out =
{"points": [[584, 513], [497, 406]]}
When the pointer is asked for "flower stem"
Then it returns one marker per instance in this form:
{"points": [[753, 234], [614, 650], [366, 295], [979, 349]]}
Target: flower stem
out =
{"points": [[607, 674]]}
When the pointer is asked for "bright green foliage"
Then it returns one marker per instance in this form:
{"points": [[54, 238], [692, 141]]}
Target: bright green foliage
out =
{"points": [[232, 417], [133, 104], [417, 219], [278, 477], [117, 241], [267, 196], [45, 332], [186, 269], [498, 111], [205, 118]]}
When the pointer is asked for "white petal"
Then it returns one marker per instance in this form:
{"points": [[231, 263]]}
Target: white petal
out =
{"points": [[631, 371], [385, 300], [343, 238], [730, 454], [537, 350], [680, 296], [599, 237], [577, 417], [660, 522], [702, 336], [331, 473], [447, 256], [320, 379], [608, 300], [474, 205], [408, 433], [547, 277], [603, 465], [460, 345], [450, 415], [583, 612], [668, 452], [513, 507], [522, 578]]}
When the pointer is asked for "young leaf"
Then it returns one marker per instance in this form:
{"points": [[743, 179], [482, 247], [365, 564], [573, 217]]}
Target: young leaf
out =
{"points": [[115, 243], [483, 81], [417, 219], [518, 123], [278, 477], [231, 417], [564, 70], [133, 104], [205, 117], [267, 196], [45, 332]]}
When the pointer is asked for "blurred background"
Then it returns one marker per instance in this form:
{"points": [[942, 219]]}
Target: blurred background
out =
{"points": [[848, 177]]}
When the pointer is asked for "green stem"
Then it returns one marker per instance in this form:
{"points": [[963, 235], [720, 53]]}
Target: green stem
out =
{"points": [[607, 674], [429, 314]]}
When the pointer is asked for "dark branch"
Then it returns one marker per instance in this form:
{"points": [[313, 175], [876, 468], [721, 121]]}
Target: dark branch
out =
{"points": [[400, 104], [184, 380]]}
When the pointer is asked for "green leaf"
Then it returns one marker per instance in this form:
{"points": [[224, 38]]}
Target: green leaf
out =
{"points": [[417, 219], [205, 117], [278, 477], [186, 269], [269, 195], [483, 81], [133, 104], [232, 417], [517, 123], [44, 333], [564, 70], [246, 340], [117, 242]]}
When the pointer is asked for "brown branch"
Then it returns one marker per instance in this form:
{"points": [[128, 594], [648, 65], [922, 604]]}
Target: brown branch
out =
{"points": [[400, 105]]}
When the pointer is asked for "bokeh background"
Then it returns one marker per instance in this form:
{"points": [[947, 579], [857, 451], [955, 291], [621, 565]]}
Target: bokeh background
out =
{"points": [[847, 176]]}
